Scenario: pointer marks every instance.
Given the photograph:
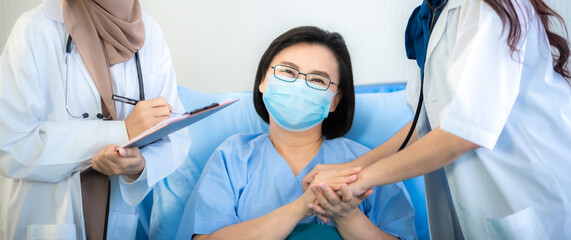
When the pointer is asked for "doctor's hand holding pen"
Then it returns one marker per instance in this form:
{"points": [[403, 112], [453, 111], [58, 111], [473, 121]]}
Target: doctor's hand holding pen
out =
{"points": [[145, 114]]}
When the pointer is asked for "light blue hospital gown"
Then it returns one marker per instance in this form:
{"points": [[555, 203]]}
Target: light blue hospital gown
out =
{"points": [[246, 178]]}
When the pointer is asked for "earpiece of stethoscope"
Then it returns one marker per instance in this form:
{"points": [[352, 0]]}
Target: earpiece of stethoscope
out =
{"points": [[68, 47]]}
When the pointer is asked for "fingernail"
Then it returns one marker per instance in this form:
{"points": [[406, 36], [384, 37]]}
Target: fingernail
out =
{"points": [[314, 189]]}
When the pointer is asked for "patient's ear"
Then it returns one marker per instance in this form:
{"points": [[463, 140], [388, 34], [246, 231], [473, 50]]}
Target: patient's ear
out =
{"points": [[335, 101], [263, 84]]}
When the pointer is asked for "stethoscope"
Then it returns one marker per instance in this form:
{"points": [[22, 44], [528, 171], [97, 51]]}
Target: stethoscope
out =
{"points": [[68, 50], [420, 98]]}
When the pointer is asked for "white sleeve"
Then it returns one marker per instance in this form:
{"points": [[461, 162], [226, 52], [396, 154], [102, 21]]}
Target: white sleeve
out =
{"points": [[37, 141], [488, 77], [164, 156]]}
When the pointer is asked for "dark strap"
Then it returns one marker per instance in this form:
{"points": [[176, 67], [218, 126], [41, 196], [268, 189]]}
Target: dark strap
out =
{"points": [[416, 115], [140, 77], [435, 14], [95, 201]]}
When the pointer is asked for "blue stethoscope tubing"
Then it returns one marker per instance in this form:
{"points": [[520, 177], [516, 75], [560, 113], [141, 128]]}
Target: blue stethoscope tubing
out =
{"points": [[420, 98], [68, 50]]}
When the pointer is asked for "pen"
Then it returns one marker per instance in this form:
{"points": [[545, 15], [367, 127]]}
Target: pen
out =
{"points": [[131, 101], [124, 99]]}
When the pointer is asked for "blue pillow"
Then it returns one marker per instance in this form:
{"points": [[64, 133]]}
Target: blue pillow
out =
{"points": [[207, 134], [378, 116]]}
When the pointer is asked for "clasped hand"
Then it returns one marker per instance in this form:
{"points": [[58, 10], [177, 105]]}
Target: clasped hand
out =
{"points": [[333, 198]]}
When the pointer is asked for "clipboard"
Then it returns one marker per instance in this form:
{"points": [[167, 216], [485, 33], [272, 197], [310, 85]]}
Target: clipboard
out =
{"points": [[174, 124]]}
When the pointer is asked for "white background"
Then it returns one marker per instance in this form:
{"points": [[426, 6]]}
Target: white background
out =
{"points": [[216, 44]]}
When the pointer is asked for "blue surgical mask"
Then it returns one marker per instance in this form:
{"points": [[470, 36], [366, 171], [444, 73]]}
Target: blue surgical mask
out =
{"points": [[294, 106]]}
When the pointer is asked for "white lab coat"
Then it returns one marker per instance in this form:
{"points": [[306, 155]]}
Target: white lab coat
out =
{"points": [[517, 108], [42, 147]]}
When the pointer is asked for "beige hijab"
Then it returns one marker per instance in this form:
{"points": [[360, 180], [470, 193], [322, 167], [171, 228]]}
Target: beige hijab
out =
{"points": [[105, 32]]}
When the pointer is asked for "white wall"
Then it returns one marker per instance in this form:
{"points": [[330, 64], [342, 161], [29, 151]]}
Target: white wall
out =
{"points": [[216, 44], [221, 41], [10, 10]]}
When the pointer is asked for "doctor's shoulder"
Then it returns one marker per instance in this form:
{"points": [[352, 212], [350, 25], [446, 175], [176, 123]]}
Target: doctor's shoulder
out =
{"points": [[153, 31], [155, 50], [35, 27]]}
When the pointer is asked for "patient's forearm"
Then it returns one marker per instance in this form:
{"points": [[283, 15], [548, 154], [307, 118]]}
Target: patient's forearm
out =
{"points": [[358, 226], [277, 224], [387, 148]]}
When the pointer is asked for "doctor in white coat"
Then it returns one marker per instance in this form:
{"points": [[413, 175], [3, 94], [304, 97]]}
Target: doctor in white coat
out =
{"points": [[43, 146], [495, 128]]}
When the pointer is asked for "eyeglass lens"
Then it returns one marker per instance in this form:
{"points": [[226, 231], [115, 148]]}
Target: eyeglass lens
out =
{"points": [[313, 80]]}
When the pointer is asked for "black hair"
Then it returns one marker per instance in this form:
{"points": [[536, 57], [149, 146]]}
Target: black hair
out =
{"points": [[338, 122]]}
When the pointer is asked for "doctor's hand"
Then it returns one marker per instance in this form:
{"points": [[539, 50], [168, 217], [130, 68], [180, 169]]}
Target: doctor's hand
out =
{"points": [[147, 114], [359, 186], [308, 179], [332, 174], [124, 161]]}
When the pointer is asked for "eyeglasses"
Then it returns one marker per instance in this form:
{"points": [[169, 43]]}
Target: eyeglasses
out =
{"points": [[312, 80]]}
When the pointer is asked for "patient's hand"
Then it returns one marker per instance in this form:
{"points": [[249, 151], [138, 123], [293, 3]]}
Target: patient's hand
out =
{"points": [[337, 206], [302, 203], [333, 176]]}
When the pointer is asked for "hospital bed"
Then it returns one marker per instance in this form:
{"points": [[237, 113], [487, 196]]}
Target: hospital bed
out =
{"points": [[380, 112]]}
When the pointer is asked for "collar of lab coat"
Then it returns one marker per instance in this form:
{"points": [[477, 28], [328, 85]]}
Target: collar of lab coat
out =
{"points": [[54, 10], [441, 25]]}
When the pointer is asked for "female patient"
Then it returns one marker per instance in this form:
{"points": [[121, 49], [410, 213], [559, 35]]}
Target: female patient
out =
{"points": [[251, 186]]}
